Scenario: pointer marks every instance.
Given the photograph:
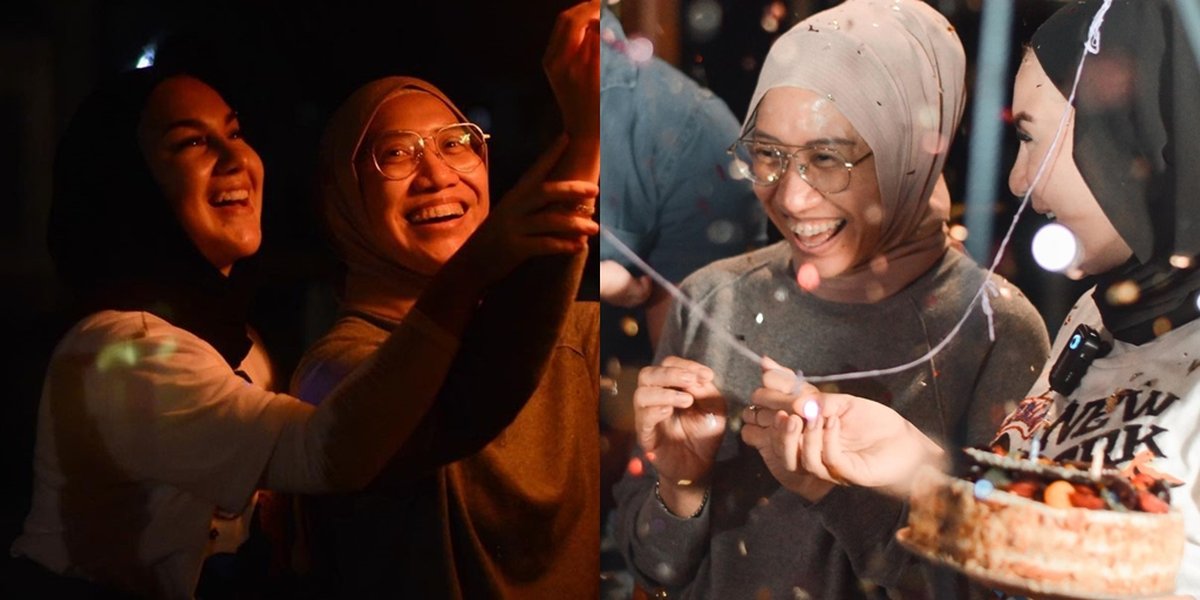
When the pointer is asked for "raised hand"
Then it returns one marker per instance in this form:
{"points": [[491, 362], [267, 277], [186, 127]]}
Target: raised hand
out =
{"points": [[680, 417], [572, 64], [535, 218]]}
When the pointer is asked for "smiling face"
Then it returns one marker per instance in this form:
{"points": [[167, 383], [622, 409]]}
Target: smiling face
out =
{"points": [[422, 219], [193, 145], [834, 231], [1037, 108]]}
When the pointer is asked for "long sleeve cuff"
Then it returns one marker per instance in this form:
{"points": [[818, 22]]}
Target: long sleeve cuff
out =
{"points": [[668, 549]]}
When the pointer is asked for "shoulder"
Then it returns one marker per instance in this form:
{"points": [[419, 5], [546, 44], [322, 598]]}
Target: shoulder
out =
{"points": [[135, 339], [736, 272], [115, 360], [959, 276]]}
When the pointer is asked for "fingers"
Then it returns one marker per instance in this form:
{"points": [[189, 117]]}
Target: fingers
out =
{"points": [[570, 190], [812, 454], [571, 222], [528, 200], [642, 288], [772, 399], [780, 379], [769, 364], [756, 437], [835, 458], [786, 435], [702, 373], [646, 397], [569, 30], [653, 406], [756, 416]]}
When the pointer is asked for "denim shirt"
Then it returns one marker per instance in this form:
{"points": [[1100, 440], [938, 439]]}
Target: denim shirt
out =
{"points": [[665, 184]]}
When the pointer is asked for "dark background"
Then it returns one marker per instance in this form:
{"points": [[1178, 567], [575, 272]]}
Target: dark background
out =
{"points": [[289, 65]]}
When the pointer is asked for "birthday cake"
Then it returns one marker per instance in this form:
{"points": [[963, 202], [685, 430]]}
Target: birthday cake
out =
{"points": [[1049, 528]]}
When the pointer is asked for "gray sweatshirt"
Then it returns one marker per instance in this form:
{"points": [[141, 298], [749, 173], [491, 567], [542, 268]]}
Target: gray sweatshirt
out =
{"points": [[756, 539]]}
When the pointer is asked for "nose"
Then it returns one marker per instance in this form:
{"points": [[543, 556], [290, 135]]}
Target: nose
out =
{"points": [[233, 157], [794, 195], [433, 173], [1018, 180]]}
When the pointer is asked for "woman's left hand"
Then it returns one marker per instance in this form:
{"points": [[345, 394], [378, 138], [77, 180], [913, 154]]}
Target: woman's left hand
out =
{"points": [[776, 435], [847, 439], [572, 63]]}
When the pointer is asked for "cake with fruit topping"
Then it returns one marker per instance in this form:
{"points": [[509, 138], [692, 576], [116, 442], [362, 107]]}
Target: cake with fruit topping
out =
{"points": [[1050, 527]]}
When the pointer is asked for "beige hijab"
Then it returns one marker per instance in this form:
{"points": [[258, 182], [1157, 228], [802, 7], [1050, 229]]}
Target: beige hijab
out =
{"points": [[896, 70], [375, 282]]}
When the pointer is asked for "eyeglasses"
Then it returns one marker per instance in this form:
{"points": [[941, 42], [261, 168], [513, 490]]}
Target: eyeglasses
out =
{"points": [[462, 146], [822, 167]]}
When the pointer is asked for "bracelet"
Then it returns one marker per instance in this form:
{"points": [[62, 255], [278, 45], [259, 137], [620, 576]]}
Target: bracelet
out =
{"points": [[703, 503]]}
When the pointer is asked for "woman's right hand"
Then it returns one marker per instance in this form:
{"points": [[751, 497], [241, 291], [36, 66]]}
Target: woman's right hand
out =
{"points": [[572, 64], [680, 418], [535, 218]]}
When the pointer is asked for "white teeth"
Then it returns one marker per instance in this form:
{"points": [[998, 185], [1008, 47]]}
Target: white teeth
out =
{"points": [[234, 196], [811, 228], [452, 209]]}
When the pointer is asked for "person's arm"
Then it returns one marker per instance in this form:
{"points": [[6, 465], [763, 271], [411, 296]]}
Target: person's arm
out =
{"points": [[507, 346], [664, 540]]}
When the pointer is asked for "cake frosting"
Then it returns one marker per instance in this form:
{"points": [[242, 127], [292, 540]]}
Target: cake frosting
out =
{"points": [[1051, 528]]}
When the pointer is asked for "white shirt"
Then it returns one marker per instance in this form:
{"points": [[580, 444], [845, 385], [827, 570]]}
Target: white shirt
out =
{"points": [[144, 432], [1137, 398]]}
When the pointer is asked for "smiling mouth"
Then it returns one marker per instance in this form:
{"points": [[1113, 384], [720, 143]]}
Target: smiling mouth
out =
{"points": [[230, 198], [812, 234], [438, 213]]}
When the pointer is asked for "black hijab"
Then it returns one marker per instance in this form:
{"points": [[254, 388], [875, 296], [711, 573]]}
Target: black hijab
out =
{"points": [[114, 238], [1137, 135]]}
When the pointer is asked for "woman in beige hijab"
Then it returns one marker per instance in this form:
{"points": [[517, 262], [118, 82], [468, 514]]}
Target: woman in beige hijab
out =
{"points": [[844, 145], [496, 493]]}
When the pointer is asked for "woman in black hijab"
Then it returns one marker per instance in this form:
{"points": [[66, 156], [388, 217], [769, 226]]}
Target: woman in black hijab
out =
{"points": [[157, 424], [1119, 175]]}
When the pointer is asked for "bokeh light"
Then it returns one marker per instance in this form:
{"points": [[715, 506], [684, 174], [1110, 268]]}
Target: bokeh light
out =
{"points": [[1055, 248], [704, 20], [1123, 293], [640, 49], [629, 326], [721, 231]]}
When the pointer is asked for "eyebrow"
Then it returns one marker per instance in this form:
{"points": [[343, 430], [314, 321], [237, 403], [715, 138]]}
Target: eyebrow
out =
{"points": [[196, 123], [826, 141], [1022, 117]]}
